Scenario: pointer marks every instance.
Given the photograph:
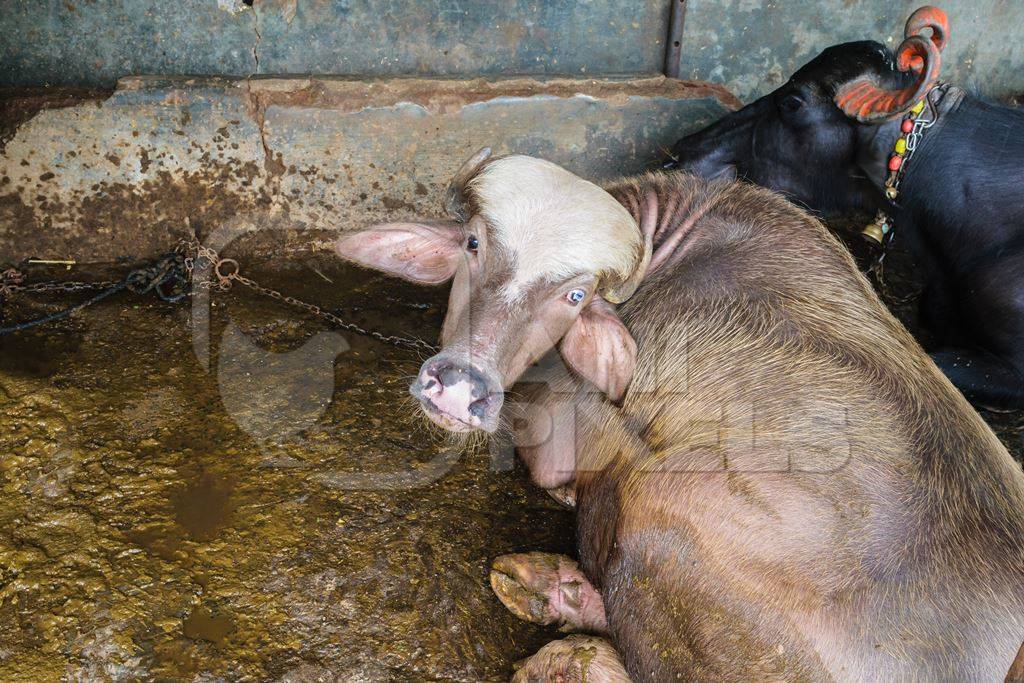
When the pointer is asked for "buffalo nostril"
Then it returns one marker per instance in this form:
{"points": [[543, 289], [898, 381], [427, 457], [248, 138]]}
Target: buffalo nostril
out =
{"points": [[430, 384], [450, 375], [478, 408]]}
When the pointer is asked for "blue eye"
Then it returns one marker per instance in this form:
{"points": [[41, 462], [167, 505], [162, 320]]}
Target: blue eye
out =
{"points": [[576, 296], [472, 243]]}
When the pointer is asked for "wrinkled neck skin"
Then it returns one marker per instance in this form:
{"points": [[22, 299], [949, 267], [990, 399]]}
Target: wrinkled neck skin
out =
{"points": [[665, 213], [874, 144]]}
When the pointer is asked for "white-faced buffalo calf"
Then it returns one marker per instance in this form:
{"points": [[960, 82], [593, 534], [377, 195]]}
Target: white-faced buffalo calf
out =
{"points": [[773, 481], [826, 139]]}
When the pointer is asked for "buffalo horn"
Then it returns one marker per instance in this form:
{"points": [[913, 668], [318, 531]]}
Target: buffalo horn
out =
{"points": [[866, 100]]}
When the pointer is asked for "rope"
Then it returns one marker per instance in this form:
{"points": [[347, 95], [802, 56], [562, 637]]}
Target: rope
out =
{"points": [[65, 313]]}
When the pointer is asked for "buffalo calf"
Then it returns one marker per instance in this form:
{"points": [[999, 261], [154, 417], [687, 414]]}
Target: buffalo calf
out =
{"points": [[772, 479]]}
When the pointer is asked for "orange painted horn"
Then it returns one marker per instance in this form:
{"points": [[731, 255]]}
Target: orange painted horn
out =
{"points": [[866, 100], [929, 17]]}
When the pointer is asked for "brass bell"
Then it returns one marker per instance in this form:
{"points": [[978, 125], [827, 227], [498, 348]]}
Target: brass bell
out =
{"points": [[875, 232]]}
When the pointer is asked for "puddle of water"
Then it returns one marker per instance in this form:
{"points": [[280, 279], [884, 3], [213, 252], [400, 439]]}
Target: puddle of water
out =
{"points": [[205, 505], [163, 543], [203, 624]]}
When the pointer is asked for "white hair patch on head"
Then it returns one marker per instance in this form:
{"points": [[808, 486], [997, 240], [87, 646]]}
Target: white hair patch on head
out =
{"points": [[552, 223]]}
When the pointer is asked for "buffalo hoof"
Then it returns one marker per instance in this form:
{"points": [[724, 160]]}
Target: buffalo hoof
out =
{"points": [[548, 589], [576, 659], [566, 495]]}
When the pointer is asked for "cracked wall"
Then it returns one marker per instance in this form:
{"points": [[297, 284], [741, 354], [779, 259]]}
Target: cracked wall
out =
{"points": [[128, 175]]}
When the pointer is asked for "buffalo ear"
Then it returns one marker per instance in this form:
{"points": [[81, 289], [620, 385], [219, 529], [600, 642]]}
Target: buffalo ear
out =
{"points": [[599, 348], [425, 253]]}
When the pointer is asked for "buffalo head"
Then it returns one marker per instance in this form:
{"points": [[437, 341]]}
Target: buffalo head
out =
{"points": [[823, 137], [535, 257]]}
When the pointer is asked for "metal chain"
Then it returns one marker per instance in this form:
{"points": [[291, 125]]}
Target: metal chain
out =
{"points": [[191, 253], [393, 339], [921, 124], [11, 279], [227, 271]]}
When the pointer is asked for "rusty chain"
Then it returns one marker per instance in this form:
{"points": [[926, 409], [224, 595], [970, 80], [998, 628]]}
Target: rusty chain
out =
{"points": [[11, 283], [225, 271]]}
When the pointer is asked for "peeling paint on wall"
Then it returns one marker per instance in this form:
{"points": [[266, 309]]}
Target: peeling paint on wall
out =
{"points": [[129, 175]]}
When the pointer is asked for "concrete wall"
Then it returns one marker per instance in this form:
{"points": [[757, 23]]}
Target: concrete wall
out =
{"points": [[124, 174], [750, 46], [130, 174]]}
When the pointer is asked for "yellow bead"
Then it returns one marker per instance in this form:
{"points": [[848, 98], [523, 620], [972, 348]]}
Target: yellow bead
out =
{"points": [[901, 146], [918, 108]]}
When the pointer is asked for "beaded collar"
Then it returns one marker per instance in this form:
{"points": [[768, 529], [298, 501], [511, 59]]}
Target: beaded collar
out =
{"points": [[920, 118]]}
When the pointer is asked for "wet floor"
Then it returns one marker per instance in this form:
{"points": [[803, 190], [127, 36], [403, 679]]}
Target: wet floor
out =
{"points": [[196, 492], [264, 507]]}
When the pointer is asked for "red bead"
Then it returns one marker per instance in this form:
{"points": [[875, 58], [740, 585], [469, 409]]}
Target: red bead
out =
{"points": [[907, 126], [895, 162]]}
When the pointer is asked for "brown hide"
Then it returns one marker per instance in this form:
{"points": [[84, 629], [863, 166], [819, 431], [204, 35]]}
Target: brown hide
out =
{"points": [[1016, 672], [792, 490]]}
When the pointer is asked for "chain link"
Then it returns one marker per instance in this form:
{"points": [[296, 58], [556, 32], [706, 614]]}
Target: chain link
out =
{"points": [[921, 124], [227, 271], [11, 283]]}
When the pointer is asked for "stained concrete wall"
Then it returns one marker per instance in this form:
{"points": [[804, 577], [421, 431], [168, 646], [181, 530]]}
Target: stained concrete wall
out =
{"points": [[122, 175], [130, 174]]}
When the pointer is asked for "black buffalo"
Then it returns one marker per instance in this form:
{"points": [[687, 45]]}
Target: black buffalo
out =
{"points": [[824, 139]]}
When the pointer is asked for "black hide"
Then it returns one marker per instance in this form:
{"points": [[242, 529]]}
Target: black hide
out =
{"points": [[960, 207]]}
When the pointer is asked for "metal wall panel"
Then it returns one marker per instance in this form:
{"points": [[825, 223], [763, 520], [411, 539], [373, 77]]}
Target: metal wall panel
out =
{"points": [[752, 47], [94, 42]]}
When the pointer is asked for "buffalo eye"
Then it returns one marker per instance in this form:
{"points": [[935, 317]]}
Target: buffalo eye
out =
{"points": [[791, 103], [576, 296], [472, 243]]}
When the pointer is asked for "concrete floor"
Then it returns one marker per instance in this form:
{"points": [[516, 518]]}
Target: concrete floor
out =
{"points": [[233, 492]]}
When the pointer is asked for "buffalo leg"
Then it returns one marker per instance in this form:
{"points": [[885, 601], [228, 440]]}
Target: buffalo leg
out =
{"points": [[544, 429], [548, 589], [576, 659], [566, 495], [990, 370], [547, 422]]}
